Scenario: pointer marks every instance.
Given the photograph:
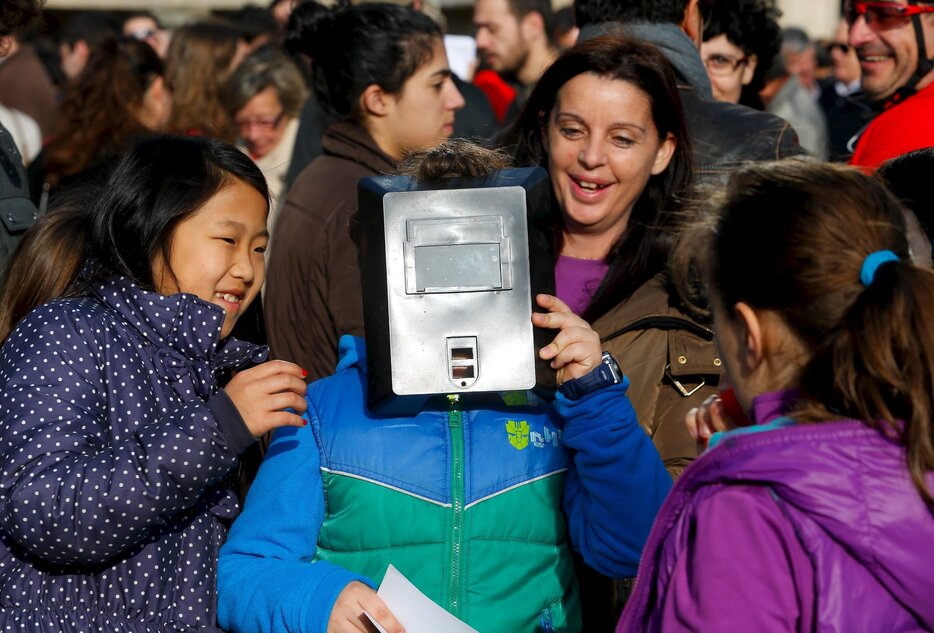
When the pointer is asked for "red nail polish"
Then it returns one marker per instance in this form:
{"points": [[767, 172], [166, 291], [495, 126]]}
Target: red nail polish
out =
{"points": [[304, 374]]}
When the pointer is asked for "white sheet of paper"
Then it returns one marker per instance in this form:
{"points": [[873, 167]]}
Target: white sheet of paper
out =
{"points": [[462, 55], [414, 610]]}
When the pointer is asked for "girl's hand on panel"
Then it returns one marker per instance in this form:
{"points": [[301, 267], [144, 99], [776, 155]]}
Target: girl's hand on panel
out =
{"points": [[262, 395]]}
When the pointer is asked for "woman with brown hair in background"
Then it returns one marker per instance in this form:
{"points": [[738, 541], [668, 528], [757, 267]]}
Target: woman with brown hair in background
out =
{"points": [[201, 57], [120, 97]]}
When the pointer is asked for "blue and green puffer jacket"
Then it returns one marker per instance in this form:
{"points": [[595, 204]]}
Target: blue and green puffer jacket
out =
{"points": [[465, 502]]}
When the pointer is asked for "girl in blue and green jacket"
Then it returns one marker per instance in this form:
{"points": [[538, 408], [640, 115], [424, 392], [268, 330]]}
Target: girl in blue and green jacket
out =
{"points": [[479, 506]]}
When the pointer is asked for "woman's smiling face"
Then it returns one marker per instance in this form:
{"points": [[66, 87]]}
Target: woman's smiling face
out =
{"points": [[602, 147]]}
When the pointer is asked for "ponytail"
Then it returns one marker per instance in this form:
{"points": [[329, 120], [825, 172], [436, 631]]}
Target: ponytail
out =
{"points": [[879, 365], [352, 47]]}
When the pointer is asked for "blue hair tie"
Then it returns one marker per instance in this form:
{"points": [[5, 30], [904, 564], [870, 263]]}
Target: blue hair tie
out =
{"points": [[867, 273]]}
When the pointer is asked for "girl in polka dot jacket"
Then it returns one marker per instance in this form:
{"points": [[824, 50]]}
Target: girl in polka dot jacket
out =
{"points": [[116, 444]]}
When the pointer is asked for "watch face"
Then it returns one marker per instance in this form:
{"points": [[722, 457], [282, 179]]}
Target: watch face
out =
{"points": [[613, 367]]}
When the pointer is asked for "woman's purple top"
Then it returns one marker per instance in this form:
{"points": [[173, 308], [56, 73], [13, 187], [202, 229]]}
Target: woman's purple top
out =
{"points": [[576, 280]]}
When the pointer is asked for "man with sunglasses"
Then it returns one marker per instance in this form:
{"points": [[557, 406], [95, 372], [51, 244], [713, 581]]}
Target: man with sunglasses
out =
{"points": [[894, 40], [723, 135]]}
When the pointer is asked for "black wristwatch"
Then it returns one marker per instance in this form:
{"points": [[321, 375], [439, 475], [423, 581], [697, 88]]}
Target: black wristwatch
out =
{"points": [[605, 374]]}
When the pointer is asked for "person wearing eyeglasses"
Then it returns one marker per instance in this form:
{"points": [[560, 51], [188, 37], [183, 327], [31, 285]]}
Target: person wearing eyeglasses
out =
{"points": [[145, 26], [894, 41], [845, 105], [740, 39], [264, 97]]}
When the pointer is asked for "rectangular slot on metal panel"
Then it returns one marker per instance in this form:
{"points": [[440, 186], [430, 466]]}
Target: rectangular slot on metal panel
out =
{"points": [[462, 353], [463, 369]]}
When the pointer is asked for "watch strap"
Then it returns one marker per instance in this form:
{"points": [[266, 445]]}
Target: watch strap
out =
{"points": [[603, 375]]}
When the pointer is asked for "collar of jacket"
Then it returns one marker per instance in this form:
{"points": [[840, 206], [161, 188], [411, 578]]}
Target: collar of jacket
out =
{"points": [[674, 44], [352, 142], [184, 324]]}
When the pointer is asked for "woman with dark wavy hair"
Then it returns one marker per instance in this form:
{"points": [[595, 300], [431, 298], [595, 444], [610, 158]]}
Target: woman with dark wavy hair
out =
{"points": [[606, 121], [119, 98]]}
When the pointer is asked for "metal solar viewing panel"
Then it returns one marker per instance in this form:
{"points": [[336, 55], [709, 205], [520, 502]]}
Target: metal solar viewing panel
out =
{"points": [[450, 270]]}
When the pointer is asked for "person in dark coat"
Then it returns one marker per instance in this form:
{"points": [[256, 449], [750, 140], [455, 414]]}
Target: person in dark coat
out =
{"points": [[116, 443], [846, 107], [17, 213], [402, 98]]}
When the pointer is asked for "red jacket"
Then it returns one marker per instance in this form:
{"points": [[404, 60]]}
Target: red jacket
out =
{"points": [[898, 130]]}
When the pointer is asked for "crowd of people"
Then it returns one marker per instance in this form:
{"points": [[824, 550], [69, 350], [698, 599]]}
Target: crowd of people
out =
{"points": [[741, 250]]}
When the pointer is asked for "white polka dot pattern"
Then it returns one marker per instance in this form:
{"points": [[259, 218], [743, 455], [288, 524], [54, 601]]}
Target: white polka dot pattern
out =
{"points": [[113, 469]]}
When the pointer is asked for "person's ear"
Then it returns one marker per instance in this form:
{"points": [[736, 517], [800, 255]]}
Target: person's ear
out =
{"points": [[83, 50], [663, 156], [749, 70], [693, 23], [752, 335], [532, 26], [375, 101]]}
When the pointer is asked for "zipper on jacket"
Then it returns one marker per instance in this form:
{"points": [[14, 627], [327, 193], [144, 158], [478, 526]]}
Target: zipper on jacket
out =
{"points": [[455, 424]]}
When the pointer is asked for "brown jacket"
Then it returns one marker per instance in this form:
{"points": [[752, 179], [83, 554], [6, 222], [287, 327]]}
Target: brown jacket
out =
{"points": [[655, 345], [672, 364], [312, 293], [26, 86]]}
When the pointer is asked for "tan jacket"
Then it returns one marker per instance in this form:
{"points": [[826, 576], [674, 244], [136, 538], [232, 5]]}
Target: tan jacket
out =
{"points": [[672, 364]]}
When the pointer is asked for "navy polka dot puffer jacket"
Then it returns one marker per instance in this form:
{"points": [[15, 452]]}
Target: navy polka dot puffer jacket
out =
{"points": [[115, 451]]}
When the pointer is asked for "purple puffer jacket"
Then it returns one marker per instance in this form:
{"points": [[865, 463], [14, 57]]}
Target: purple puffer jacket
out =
{"points": [[797, 528], [115, 447]]}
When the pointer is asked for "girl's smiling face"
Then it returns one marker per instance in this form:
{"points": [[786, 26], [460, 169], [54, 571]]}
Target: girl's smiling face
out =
{"points": [[217, 253]]}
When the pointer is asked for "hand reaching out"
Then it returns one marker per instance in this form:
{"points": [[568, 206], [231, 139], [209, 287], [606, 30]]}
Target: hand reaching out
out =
{"points": [[714, 415]]}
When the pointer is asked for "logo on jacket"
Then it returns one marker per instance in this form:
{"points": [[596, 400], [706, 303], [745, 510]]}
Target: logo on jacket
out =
{"points": [[520, 435]]}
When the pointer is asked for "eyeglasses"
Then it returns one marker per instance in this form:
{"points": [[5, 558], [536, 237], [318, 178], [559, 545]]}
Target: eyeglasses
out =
{"points": [[263, 124], [838, 46], [721, 65], [884, 16], [143, 34]]}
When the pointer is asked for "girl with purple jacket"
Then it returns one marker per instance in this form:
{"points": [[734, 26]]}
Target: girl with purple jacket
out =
{"points": [[819, 516], [116, 444]]}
